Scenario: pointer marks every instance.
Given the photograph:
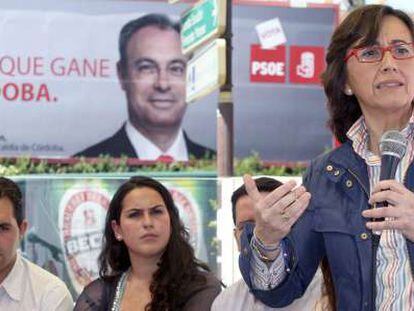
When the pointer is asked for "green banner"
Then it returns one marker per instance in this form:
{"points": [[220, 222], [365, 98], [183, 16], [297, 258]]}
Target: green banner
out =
{"points": [[199, 24]]}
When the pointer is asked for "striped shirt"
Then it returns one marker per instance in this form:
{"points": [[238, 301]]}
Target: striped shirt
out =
{"points": [[394, 281], [264, 277]]}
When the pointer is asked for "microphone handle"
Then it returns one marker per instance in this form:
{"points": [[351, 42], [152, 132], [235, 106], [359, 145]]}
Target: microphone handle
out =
{"points": [[378, 205], [389, 165]]}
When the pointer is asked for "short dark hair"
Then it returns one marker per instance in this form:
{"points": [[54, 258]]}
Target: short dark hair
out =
{"points": [[161, 21], [10, 190], [263, 184], [361, 25]]}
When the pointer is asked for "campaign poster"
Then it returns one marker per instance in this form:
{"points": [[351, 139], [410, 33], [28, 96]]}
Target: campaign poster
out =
{"points": [[60, 92]]}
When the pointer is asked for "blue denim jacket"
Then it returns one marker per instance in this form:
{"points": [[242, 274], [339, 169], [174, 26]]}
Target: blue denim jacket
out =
{"points": [[332, 226]]}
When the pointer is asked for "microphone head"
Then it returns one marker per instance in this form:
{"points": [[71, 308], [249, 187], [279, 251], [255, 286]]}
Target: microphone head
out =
{"points": [[393, 143]]}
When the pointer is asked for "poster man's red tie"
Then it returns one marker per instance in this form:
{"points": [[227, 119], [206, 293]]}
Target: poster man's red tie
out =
{"points": [[165, 158]]}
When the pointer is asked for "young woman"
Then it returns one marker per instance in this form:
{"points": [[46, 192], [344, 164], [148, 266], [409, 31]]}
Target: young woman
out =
{"points": [[147, 262]]}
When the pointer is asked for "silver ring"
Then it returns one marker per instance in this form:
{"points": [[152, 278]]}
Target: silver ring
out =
{"points": [[285, 216]]}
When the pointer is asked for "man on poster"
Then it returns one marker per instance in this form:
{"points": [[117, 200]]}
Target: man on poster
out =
{"points": [[152, 73]]}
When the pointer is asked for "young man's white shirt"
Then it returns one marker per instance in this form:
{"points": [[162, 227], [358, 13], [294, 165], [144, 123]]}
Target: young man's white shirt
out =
{"points": [[29, 287], [237, 297]]}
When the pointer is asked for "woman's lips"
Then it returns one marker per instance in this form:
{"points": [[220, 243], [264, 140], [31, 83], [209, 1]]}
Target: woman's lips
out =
{"points": [[148, 236], [389, 84]]}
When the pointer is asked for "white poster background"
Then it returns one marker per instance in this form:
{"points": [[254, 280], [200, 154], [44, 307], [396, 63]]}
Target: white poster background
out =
{"points": [[80, 113], [82, 110]]}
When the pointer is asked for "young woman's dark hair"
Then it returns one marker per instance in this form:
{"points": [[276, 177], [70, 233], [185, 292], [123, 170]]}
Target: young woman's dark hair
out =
{"points": [[178, 267], [360, 28], [328, 289]]}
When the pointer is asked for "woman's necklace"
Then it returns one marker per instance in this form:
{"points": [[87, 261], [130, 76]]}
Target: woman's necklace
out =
{"points": [[120, 290]]}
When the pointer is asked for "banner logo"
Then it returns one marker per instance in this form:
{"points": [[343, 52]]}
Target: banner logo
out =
{"points": [[306, 64], [82, 212], [267, 65]]}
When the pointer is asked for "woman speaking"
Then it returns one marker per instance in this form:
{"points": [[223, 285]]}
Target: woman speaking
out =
{"points": [[369, 83]]}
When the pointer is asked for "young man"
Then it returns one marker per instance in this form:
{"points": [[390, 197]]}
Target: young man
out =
{"points": [[237, 296], [23, 285], [152, 73]]}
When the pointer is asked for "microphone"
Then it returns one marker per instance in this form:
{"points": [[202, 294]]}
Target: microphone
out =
{"points": [[392, 149], [393, 146]]}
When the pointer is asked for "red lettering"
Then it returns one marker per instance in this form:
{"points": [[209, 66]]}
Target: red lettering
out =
{"points": [[38, 66], [7, 66], [10, 91], [43, 93], [21, 66], [88, 67], [80, 67], [104, 66], [73, 67], [27, 92], [56, 68]]}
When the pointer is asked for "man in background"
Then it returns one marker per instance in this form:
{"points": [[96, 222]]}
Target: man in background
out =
{"points": [[23, 285], [237, 297], [152, 73]]}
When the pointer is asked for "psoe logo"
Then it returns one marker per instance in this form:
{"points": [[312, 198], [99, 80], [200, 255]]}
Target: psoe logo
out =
{"points": [[82, 212], [306, 64], [267, 65]]}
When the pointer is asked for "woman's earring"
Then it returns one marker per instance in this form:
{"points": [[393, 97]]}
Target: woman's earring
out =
{"points": [[348, 91], [118, 237]]}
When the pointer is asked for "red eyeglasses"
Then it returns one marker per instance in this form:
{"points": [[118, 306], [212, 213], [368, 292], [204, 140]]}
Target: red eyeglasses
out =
{"points": [[375, 53]]}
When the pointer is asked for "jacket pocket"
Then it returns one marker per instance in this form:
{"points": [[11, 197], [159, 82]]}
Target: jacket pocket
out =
{"points": [[333, 219], [339, 241]]}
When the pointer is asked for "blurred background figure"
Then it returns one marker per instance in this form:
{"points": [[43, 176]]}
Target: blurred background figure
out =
{"points": [[147, 262], [237, 296]]}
